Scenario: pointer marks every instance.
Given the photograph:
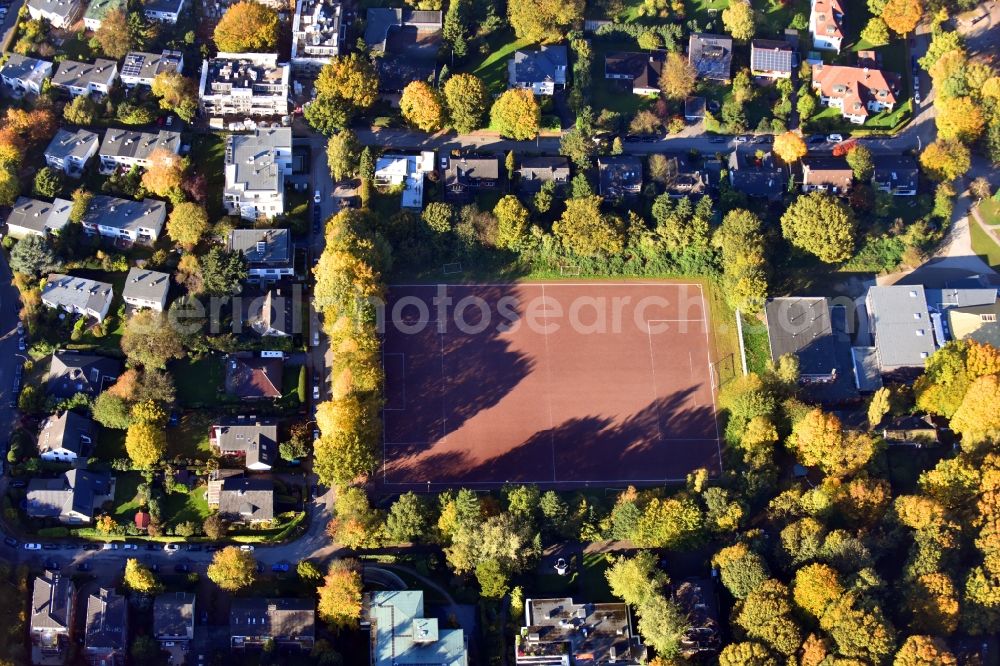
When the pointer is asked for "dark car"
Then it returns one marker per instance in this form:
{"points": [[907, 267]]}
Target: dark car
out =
{"points": [[50, 546], [817, 138], [719, 139], [69, 546], [182, 568], [280, 567], [152, 546], [211, 548], [52, 565], [194, 547], [18, 483], [91, 546], [11, 541]]}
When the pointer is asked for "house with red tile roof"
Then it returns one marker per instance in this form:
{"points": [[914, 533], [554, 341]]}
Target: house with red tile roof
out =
{"points": [[826, 24], [856, 91]]}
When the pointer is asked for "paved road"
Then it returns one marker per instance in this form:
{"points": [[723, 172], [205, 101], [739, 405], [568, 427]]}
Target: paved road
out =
{"points": [[10, 358]]}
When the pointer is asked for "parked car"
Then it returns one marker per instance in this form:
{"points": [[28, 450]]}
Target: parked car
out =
{"points": [[211, 548], [742, 139], [152, 546], [32, 546], [247, 548], [109, 546], [69, 546], [20, 344], [52, 565], [182, 568], [194, 547], [20, 328], [11, 541], [171, 547], [50, 546], [817, 138], [280, 566], [315, 391], [131, 546], [719, 139], [317, 197], [835, 138], [18, 483], [91, 546]]}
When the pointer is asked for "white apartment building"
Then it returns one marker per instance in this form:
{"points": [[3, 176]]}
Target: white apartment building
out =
{"points": [[256, 167], [244, 85]]}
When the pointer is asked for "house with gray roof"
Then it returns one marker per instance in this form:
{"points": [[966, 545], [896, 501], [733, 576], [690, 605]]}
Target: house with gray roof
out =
{"points": [[801, 327], [124, 149], [34, 217], [163, 11], [135, 221], [899, 175], [290, 623], [84, 78], [383, 21], [468, 174], [23, 74], [542, 71], [53, 598], [59, 13], [277, 312], [71, 497], [106, 638], [140, 68], [71, 372], [268, 252], [146, 289], [97, 10], [252, 439], [756, 175], [642, 70], [559, 631], [173, 616], [536, 171], [711, 56], [246, 500], [65, 437], [901, 325], [70, 150], [619, 176], [408, 40], [78, 295], [255, 170], [402, 636]]}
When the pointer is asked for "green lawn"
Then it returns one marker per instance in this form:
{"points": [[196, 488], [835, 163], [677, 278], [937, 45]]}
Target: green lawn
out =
{"points": [[610, 94], [183, 506], [706, 11], [756, 344], [493, 69], [777, 16], [592, 578], [199, 382], [110, 444], [208, 154], [983, 245], [190, 438], [126, 484], [989, 210]]}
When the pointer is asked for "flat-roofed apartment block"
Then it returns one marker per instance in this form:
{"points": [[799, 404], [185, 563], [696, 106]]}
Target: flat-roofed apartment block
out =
{"points": [[268, 252], [400, 635], [140, 68], [406, 170], [146, 289], [60, 13], [38, 218], [125, 149], [84, 78], [23, 74], [256, 167], [69, 151], [77, 295], [317, 31], [901, 326], [135, 221], [558, 632], [244, 85]]}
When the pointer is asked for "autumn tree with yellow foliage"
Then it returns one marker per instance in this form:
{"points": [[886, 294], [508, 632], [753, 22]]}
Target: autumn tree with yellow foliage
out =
{"points": [[421, 105], [789, 147]]}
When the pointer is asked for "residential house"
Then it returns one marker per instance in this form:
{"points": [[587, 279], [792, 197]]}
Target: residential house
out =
{"points": [[542, 71], [317, 33], [469, 174], [268, 252], [244, 85], [408, 41], [71, 497], [619, 176], [173, 617], [755, 173], [255, 171], [71, 372], [84, 78], [59, 13], [694, 108], [66, 437], [53, 601], [771, 59], [140, 68], [898, 175], [25, 75], [124, 149], [827, 174], [125, 219], [826, 24], [711, 56], [856, 91], [146, 289], [802, 327], [288, 623], [163, 11], [901, 327], [275, 314], [559, 631], [39, 218], [246, 501], [77, 295], [106, 641], [641, 70], [93, 18], [69, 151], [253, 378], [697, 599], [684, 177], [536, 171], [911, 430], [402, 636], [408, 171], [976, 322], [252, 439]]}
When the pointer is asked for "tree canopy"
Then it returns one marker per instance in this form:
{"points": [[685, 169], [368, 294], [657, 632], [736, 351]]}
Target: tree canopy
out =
{"points": [[247, 26], [820, 224], [516, 114]]}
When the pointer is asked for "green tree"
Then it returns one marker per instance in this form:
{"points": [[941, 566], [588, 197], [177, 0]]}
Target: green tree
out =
{"points": [[512, 221], [342, 153], [742, 570], [222, 271], [233, 569], [820, 224], [308, 571], [407, 520], [585, 231], [945, 160], [247, 26], [663, 624], [468, 99], [516, 114], [421, 105], [977, 418], [859, 158], [10, 187], [738, 19], [746, 654], [766, 616], [187, 223], [214, 527], [637, 579], [744, 268], [176, 93], [111, 411], [150, 340], [345, 85], [876, 32], [33, 255], [493, 580], [340, 596], [48, 182], [144, 649], [438, 216]]}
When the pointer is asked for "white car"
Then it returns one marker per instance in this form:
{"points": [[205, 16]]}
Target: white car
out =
{"points": [[171, 547], [834, 138], [315, 391], [317, 197], [32, 546], [109, 546], [131, 546], [247, 548]]}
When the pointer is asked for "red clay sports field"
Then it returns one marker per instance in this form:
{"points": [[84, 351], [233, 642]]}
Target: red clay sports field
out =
{"points": [[563, 384]]}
